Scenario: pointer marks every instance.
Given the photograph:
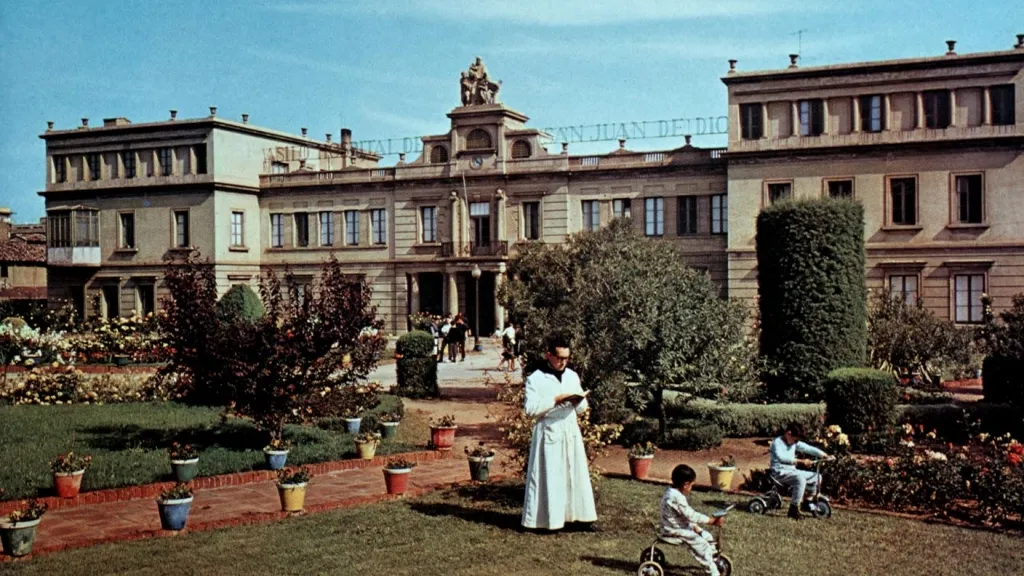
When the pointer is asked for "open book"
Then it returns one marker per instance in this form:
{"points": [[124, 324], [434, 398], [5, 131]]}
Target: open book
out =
{"points": [[577, 398]]}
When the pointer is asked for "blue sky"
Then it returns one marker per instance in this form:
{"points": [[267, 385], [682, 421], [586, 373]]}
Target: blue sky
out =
{"points": [[390, 68]]}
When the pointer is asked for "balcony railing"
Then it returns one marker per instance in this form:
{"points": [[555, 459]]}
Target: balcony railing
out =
{"points": [[447, 249], [495, 248]]}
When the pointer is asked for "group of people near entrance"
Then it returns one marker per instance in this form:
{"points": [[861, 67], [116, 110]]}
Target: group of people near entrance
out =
{"points": [[558, 488], [450, 334]]}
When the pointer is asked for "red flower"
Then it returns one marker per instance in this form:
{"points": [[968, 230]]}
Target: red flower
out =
{"points": [[1017, 448], [1014, 459]]}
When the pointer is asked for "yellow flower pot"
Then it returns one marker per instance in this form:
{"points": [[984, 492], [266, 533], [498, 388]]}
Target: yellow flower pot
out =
{"points": [[721, 476], [293, 496], [367, 450]]}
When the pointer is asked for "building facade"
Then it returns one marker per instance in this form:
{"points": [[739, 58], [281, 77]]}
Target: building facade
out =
{"points": [[931, 147], [22, 260]]}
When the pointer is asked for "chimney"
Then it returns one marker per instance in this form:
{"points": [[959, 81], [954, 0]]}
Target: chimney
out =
{"points": [[213, 111], [622, 143], [732, 66], [401, 157], [302, 163], [951, 44], [245, 118], [687, 137], [565, 148], [792, 60], [1020, 42], [49, 125], [85, 122], [174, 114], [304, 130], [346, 138], [328, 137]]}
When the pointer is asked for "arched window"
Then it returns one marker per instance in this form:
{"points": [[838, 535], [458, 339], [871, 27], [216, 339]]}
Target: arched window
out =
{"points": [[438, 155], [521, 149], [478, 139]]}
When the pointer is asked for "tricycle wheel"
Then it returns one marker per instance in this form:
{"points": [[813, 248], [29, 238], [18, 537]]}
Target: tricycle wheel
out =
{"points": [[652, 554], [724, 565], [757, 506], [822, 509], [650, 569]]}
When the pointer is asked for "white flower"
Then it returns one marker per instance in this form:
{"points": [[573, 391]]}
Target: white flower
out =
{"points": [[908, 428], [932, 455], [843, 440], [907, 443]]}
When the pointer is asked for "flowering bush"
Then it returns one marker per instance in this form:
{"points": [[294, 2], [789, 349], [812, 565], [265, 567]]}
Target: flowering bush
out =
{"points": [[399, 463], [367, 438], [57, 384], [70, 462], [447, 421], [180, 491], [277, 445], [390, 417], [728, 462], [642, 450], [34, 510], [182, 451], [294, 475], [479, 451]]}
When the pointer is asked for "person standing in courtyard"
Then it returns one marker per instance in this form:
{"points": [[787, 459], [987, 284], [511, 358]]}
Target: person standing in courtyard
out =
{"points": [[558, 488], [508, 348]]}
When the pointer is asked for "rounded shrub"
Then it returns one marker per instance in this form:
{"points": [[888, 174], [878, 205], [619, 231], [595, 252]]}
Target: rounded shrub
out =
{"points": [[692, 435], [415, 344], [240, 302], [861, 400], [14, 322], [417, 377], [811, 293]]}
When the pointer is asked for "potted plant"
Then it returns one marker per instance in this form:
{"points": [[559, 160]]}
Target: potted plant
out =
{"points": [[276, 453], [479, 462], [175, 504], [396, 475], [721, 473], [352, 423], [184, 461], [68, 470], [367, 443], [389, 422], [640, 458], [291, 487], [18, 530], [442, 432]]}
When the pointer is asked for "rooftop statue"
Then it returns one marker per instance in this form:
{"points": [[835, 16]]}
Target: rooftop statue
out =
{"points": [[476, 88]]}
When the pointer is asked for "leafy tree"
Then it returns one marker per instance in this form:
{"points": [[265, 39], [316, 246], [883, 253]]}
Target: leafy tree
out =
{"points": [[1003, 371], [634, 312], [240, 301]]}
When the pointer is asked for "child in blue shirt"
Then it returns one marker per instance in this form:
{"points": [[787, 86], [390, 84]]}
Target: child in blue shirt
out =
{"points": [[680, 522], [784, 461]]}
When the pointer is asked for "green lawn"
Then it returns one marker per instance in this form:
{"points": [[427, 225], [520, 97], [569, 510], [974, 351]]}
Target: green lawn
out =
{"points": [[474, 531], [128, 443]]}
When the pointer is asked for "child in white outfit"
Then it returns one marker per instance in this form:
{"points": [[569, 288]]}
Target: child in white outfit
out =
{"points": [[680, 522]]}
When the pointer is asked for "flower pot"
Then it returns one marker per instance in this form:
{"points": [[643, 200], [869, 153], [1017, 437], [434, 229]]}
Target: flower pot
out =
{"points": [[352, 425], [397, 480], [639, 466], [443, 438], [275, 458], [69, 484], [480, 468], [122, 360], [185, 470], [721, 476], [293, 496], [174, 513], [17, 537], [389, 430], [366, 450]]}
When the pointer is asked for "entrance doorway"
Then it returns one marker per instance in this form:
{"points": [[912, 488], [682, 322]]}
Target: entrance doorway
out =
{"points": [[431, 292], [486, 319]]}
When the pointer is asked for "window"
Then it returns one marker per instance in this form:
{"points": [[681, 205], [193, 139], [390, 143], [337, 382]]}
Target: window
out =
{"points": [[327, 228], [181, 236], [531, 220], [94, 166], [86, 227], [936, 109], [200, 151], [127, 230], [751, 121], [686, 219], [278, 167], [840, 189], [621, 208], [276, 230], [428, 222], [60, 168], [480, 215], [379, 226], [778, 191], [438, 155], [112, 167], [521, 149], [478, 139], [184, 161], [111, 301], [903, 197], [164, 157], [591, 215], [1002, 104], [59, 234], [871, 113], [654, 216], [969, 199], [238, 228], [301, 229], [128, 159], [967, 292], [351, 228], [4, 271], [719, 214], [904, 288], [146, 299], [812, 117]]}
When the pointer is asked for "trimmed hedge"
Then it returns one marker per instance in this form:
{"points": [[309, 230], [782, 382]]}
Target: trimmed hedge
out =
{"points": [[692, 435], [1002, 380], [955, 422], [417, 378], [415, 344], [811, 293], [750, 420], [640, 431], [861, 400], [240, 302]]}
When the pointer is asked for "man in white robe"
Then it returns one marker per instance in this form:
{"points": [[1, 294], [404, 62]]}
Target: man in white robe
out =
{"points": [[558, 488]]}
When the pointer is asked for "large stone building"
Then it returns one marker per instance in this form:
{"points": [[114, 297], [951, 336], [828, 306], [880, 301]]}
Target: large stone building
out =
{"points": [[22, 261], [930, 146]]}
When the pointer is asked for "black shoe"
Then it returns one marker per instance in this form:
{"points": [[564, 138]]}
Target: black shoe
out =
{"points": [[794, 512]]}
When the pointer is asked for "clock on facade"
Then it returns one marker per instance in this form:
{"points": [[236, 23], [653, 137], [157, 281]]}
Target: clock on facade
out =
{"points": [[476, 162]]}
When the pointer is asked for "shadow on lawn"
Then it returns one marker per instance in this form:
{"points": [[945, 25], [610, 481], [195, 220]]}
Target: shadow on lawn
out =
{"points": [[503, 520], [629, 567]]}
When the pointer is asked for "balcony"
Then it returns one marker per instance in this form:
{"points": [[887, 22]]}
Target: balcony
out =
{"points": [[447, 249], [494, 248], [73, 256]]}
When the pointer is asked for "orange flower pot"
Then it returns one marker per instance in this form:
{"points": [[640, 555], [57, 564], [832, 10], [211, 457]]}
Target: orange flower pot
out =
{"points": [[443, 438], [640, 466], [68, 485], [397, 481]]}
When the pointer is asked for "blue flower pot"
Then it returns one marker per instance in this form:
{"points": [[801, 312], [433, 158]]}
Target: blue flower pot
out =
{"points": [[185, 470], [17, 538], [352, 425], [174, 513], [275, 458]]}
